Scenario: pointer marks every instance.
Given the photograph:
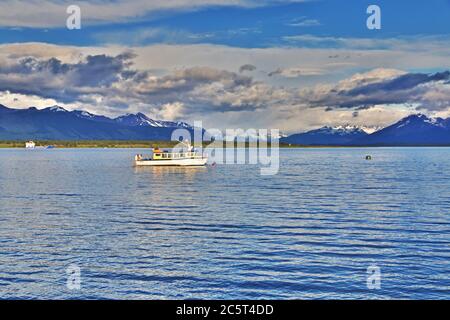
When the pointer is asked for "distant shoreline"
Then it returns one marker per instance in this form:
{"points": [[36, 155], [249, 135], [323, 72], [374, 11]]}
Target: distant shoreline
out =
{"points": [[116, 144]]}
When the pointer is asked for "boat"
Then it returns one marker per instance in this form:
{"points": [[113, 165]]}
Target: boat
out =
{"points": [[30, 145], [185, 157]]}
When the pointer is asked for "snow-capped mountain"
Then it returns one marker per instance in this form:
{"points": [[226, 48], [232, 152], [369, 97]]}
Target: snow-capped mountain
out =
{"points": [[351, 128], [339, 135], [416, 129], [140, 119], [56, 123], [90, 116], [55, 109]]}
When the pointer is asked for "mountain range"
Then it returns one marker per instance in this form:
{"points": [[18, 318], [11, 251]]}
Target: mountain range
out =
{"points": [[341, 135], [414, 130], [56, 123]]}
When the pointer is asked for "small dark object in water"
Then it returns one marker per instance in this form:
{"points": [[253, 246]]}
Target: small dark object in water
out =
{"points": [[368, 157]]}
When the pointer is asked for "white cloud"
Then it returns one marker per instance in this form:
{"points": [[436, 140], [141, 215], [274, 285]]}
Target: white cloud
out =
{"points": [[334, 64], [203, 82], [418, 44], [296, 72], [22, 101], [304, 22], [52, 13], [171, 111], [372, 76]]}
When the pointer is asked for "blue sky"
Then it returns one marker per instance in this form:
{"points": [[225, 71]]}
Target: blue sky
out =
{"points": [[294, 65], [255, 27]]}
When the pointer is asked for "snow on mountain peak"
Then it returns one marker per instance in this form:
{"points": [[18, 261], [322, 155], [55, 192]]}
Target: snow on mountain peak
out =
{"points": [[86, 114], [346, 129], [56, 109], [140, 119], [439, 122]]}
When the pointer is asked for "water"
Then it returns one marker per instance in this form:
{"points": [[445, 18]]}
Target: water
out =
{"points": [[226, 232]]}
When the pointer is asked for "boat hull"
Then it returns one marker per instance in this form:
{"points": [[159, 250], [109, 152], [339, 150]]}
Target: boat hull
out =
{"points": [[172, 163]]}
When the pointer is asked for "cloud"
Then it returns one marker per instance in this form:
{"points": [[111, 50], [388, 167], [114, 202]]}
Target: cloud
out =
{"points": [[20, 101], [296, 72], [171, 111], [417, 42], [52, 13], [195, 83], [384, 87], [163, 59], [304, 22], [112, 82], [138, 37], [247, 67], [400, 83], [66, 82]]}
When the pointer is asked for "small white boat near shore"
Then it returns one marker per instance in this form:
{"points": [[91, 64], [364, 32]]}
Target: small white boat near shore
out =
{"points": [[30, 145], [188, 157]]}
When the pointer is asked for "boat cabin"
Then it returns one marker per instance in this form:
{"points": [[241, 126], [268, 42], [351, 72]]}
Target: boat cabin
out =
{"points": [[166, 155]]}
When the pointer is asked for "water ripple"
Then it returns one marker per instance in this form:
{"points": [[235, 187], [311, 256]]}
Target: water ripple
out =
{"points": [[309, 232]]}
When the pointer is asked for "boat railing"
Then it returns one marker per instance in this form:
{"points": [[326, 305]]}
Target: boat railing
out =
{"points": [[180, 155]]}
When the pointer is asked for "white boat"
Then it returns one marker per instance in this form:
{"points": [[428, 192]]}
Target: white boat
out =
{"points": [[188, 157], [30, 145]]}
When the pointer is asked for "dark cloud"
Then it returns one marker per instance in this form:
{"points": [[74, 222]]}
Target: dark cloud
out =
{"points": [[111, 81], [247, 67], [404, 82], [427, 91], [64, 81], [275, 72], [102, 70]]}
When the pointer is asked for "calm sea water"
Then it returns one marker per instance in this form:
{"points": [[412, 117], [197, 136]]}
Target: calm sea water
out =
{"points": [[226, 231]]}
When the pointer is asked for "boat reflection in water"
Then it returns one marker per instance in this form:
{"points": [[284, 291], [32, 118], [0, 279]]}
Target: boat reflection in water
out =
{"points": [[161, 175]]}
